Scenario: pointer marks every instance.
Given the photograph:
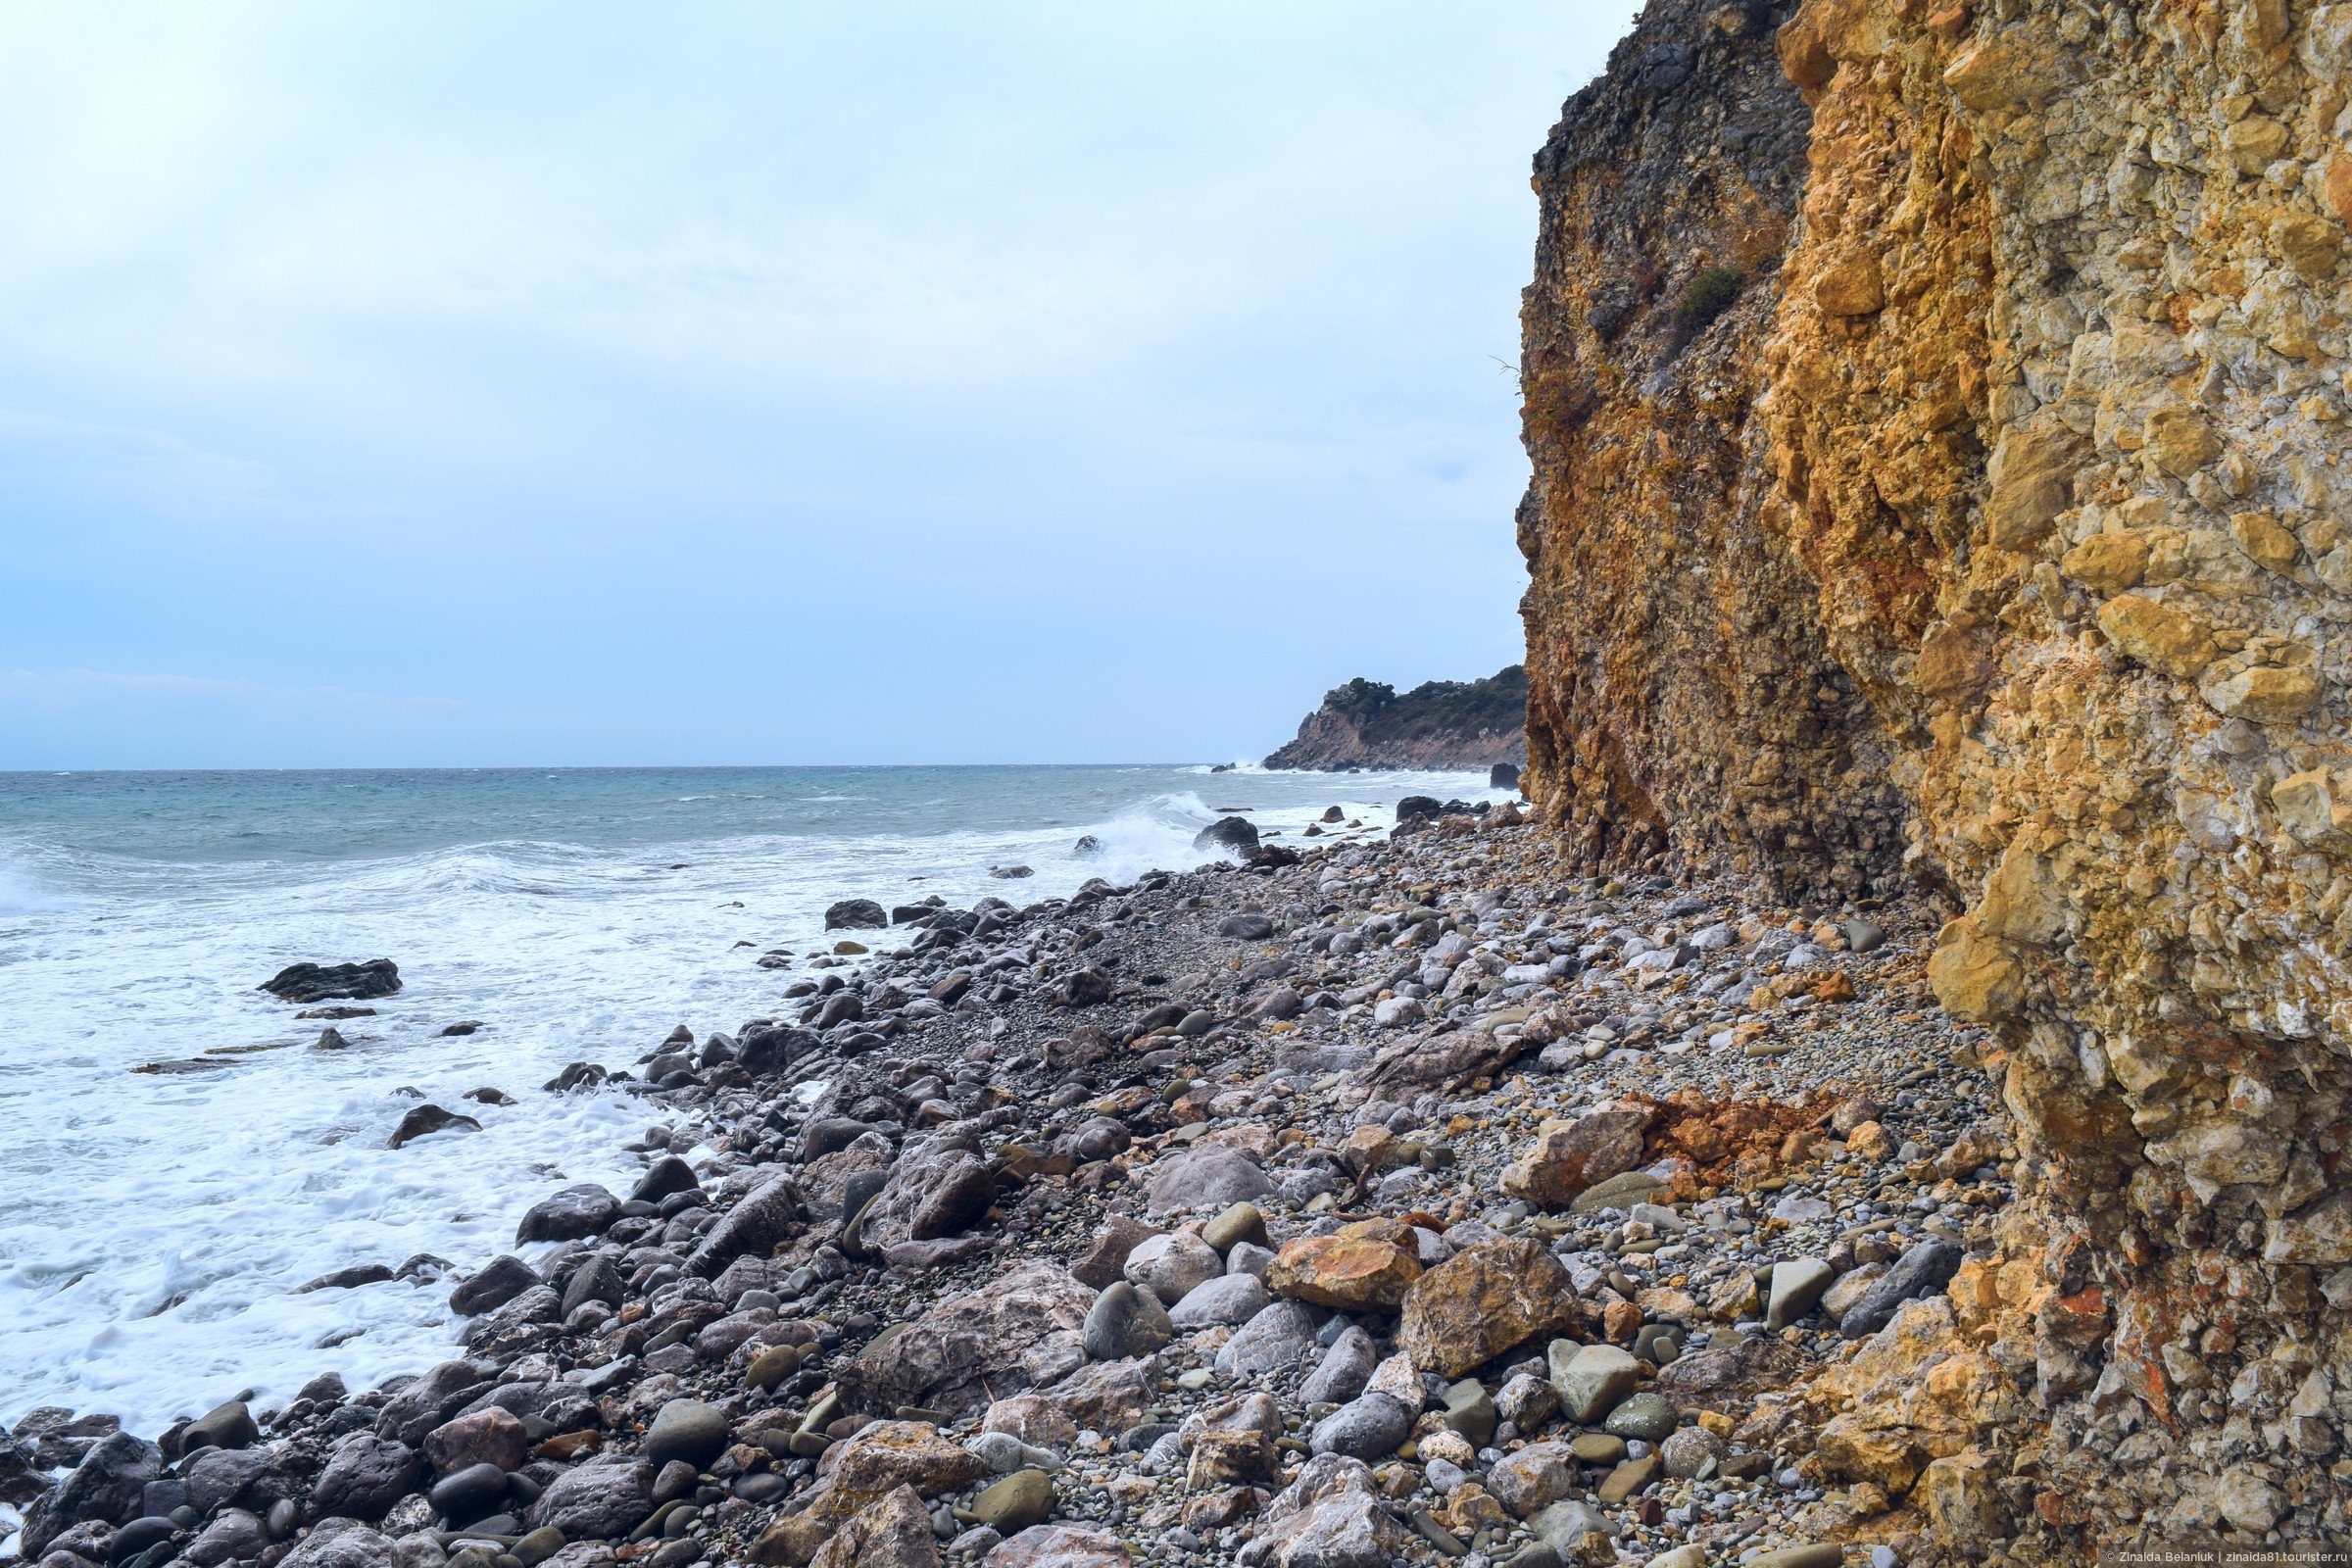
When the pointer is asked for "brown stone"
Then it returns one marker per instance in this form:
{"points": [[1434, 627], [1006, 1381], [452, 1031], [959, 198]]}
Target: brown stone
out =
{"points": [[894, 1532], [1569, 1156], [1974, 976], [1483, 1301], [2031, 481], [2108, 562], [1365, 1266], [2158, 636]]}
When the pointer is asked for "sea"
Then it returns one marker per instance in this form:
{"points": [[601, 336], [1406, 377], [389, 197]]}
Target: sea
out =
{"points": [[154, 1227]]}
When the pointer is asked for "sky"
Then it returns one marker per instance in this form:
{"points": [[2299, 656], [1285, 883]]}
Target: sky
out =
{"points": [[424, 384]]}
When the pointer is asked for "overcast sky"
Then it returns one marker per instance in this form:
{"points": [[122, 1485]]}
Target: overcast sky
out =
{"points": [[425, 383]]}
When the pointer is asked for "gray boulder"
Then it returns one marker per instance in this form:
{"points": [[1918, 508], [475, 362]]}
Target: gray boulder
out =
{"points": [[366, 1475], [576, 1212], [598, 1501]]}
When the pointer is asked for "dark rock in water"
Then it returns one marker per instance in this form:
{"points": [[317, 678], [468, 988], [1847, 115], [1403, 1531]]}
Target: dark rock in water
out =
{"points": [[109, 1484], [366, 1475], [1009, 873], [584, 1209], [855, 914], [1272, 857], [1222, 767], [314, 982], [488, 1096], [336, 1013], [218, 1476], [1086, 845], [345, 1279], [1418, 806], [1235, 835], [426, 1120], [580, 1075], [499, 1282], [464, 1026], [772, 1048], [1926, 1266], [1502, 776], [330, 1038], [664, 1176], [842, 1007], [1246, 926]]}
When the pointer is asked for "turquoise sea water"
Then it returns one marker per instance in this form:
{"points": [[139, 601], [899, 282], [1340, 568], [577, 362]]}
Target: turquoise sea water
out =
{"points": [[155, 1226]]}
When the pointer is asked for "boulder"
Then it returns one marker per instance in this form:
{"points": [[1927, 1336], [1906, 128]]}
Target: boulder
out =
{"points": [[855, 914], [1280, 1336], [364, 1475], [107, 1484], [888, 1456], [1590, 1379], [498, 1282], [1125, 1320], [687, 1430], [581, 1210], [1331, 1516], [1437, 1059], [1172, 1265], [1213, 1177], [1483, 1301], [1229, 1300], [1107, 1259], [1347, 1366], [431, 1400], [423, 1121], [491, 1436], [1368, 1427], [1228, 835], [1060, 1547], [1018, 1332], [892, 1532], [1365, 1266], [933, 1193], [1533, 1479], [226, 1426], [1569, 1156], [342, 1542], [307, 983], [1928, 1266], [600, 1500], [752, 1227]]}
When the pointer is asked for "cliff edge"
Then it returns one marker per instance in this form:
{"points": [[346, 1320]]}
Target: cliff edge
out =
{"points": [[1936, 418], [1440, 725]]}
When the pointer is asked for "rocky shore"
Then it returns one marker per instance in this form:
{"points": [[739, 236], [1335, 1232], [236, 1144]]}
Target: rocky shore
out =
{"points": [[1407, 1200], [1439, 725]]}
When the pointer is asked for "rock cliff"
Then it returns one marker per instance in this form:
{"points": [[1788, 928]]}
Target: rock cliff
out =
{"points": [[1444, 724], [1936, 418]]}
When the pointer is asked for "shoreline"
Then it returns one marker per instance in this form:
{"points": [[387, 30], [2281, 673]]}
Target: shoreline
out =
{"points": [[998, 1129]]}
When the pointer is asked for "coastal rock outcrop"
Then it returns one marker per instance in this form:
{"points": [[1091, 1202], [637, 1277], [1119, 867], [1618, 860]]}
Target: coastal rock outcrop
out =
{"points": [[1437, 724], [1936, 417]]}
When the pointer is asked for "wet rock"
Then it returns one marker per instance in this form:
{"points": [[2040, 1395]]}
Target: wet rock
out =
{"points": [[226, 1426], [218, 1476], [341, 1543], [307, 983], [471, 1493], [107, 1484], [1482, 1301], [423, 1121], [752, 1227], [599, 1500], [1228, 835], [500, 1280], [233, 1537], [347, 1279], [492, 1436], [585, 1209], [855, 914], [1691, 1451], [1125, 1321], [1647, 1416], [364, 1475], [429, 1402]]}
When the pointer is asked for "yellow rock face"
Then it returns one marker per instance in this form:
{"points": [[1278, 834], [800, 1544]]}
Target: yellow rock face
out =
{"points": [[2157, 635]]}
